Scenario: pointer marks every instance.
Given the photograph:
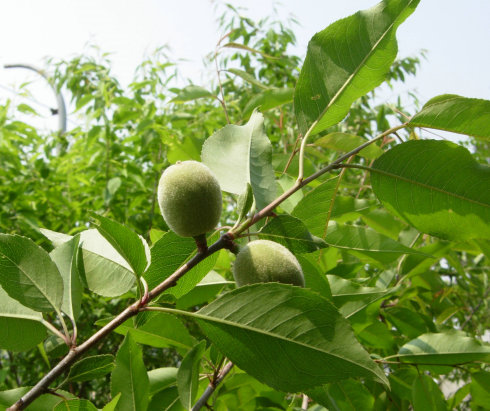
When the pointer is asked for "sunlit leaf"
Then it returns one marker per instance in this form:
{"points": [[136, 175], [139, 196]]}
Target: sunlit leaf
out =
{"points": [[189, 93], [248, 152], [28, 275], [447, 348], [435, 186], [65, 257], [345, 61], [449, 112], [128, 244], [268, 99]]}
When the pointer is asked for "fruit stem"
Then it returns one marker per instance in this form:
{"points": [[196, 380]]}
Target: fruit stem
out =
{"points": [[201, 243]]}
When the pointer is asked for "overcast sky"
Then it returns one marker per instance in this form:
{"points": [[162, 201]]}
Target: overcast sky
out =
{"points": [[456, 34]]}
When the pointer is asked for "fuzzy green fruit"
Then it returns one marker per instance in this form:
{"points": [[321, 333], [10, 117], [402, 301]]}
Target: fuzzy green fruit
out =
{"points": [[264, 261], [189, 197]]}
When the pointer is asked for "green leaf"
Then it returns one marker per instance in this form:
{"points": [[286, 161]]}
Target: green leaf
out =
{"points": [[449, 112], [315, 279], [268, 99], [247, 152], [56, 238], [20, 327], [28, 275], [239, 46], [408, 322], [345, 61], [65, 257], [245, 202], [111, 406], [344, 142], [168, 254], [358, 238], [447, 348], [480, 389], [91, 368], [314, 207], [188, 375], [24, 108], [435, 186], [129, 377], [287, 337], [426, 395], [42, 403], [249, 78], [75, 405], [383, 222], [351, 297], [189, 93], [291, 233], [349, 395], [401, 382], [106, 272], [127, 243], [160, 330], [167, 400], [204, 291], [161, 378]]}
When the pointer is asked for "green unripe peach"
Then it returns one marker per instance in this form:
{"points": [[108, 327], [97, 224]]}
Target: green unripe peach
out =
{"points": [[264, 261], [189, 197]]}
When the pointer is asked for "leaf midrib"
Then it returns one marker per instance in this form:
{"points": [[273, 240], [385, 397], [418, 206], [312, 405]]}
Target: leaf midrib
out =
{"points": [[428, 187], [260, 331], [32, 281], [358, 68]]}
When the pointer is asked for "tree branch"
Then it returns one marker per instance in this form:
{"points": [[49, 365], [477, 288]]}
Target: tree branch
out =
{"points": [[42, 386], [225, 242], [212, 387]]}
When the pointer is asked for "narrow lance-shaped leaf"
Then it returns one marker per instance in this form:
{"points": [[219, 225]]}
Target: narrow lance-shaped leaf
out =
{"points": [[91, 368], [287, 337], [313, 209], [447, 348], [437, 187], [189, 93], [344, 143], [28, 275], [347, 60], [130, 377], [470, 116], [238, 155], [268, 99], [188, 375], [75, 405], [359, 238], [249, 78], [426, 395]]}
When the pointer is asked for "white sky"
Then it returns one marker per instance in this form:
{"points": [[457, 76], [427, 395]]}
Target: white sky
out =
{"points": [[456, 34]]}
